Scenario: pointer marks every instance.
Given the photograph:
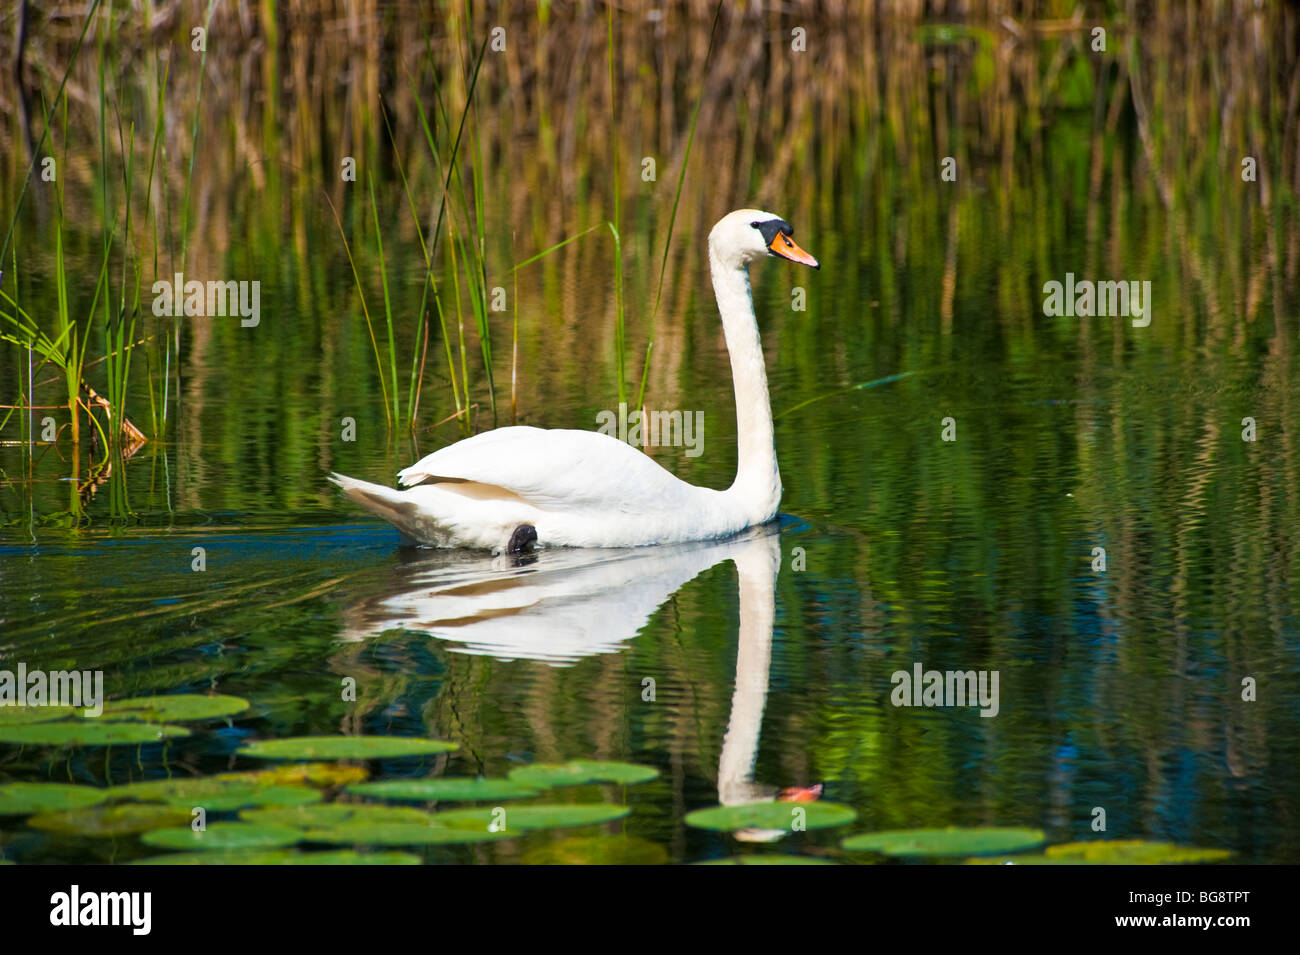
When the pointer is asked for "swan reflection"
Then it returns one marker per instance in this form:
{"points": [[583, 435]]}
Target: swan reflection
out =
{"points": [[568, 604], [557, 605]]}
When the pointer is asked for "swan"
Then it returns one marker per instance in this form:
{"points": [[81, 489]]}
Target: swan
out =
{"points": [[513, 488]]}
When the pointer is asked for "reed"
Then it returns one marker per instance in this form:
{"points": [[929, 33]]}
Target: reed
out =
{"points": [[419, 353], [467, 262]]}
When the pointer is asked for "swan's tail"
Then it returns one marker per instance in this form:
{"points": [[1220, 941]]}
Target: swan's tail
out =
{"points": [[456, 514], [392, 505]]}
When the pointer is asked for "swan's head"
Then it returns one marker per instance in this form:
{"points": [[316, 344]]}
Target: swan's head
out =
{"points": [[742, 236]]}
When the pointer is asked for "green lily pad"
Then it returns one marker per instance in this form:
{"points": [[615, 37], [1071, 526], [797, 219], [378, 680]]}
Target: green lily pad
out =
{"points": [[449, 788], [603, 771], [337, 814], [281, 857], [1115, 852], [547, 775], [525, 818], [223, 837], [110, 820], [767, 860], [179, 706], [399, 834], [215, 794], [89, 733], [345, 747], [13, 715], [1136, 852], [597, 850], [772, 815], [255, 796], [579, 772], [368, 825], [953, 841], [319, 775], [21, 799]]}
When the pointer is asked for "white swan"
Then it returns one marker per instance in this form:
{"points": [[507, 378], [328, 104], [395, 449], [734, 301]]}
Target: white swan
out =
{"points": [[507, 488]]}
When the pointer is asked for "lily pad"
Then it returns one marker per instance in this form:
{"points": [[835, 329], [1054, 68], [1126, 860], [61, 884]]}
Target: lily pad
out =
{"points": [[13, 715], [89, 733], [319, 775], [345, 747], [772, 815], [178, 706], [953, 841], [368, 824], [603, 771], [525, 818], [337, 814], [768, 860], [579, 772], [547, 775], [21, 799], [448, 788], [1136, 852], [399, 834], [597, 850], [215, 794], [224, 836], [1115, 852], [281, 857], [110, 820]]}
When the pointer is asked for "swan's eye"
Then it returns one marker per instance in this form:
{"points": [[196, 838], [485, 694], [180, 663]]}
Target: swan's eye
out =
{"points": [[754, 224]]}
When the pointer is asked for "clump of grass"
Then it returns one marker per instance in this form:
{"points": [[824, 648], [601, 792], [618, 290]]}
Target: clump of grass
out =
{"points": [[67, 344], [472, 254], [462, 220]]}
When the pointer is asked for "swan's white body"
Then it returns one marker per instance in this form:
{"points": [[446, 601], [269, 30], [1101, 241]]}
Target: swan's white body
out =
{"points": [[587, 489]]}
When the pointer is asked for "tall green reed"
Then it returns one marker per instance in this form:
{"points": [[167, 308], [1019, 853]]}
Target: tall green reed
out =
{"points": [[472, 254]]}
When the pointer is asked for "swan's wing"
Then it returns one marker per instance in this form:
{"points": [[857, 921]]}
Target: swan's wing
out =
{"points": [[554, 468]]}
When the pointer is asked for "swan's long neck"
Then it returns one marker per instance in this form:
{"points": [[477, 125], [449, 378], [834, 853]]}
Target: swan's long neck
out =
{"points": [[758, 482]]}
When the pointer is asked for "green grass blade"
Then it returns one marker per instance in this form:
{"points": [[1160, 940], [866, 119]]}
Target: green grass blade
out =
{"points": [[365, 310]]}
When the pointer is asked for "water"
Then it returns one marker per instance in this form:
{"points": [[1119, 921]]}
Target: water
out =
{"points": [[740, 667]]}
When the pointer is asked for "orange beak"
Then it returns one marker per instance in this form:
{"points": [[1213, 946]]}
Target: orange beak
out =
{"points": [[785, 247]]}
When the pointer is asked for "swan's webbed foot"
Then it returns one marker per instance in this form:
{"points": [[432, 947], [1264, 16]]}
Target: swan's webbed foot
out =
{"points": [[523, 539]]}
